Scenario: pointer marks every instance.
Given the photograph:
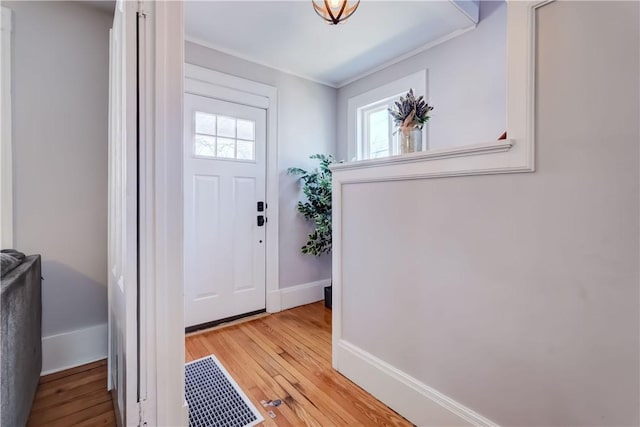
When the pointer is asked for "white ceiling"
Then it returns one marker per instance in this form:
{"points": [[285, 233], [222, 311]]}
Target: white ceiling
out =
{"points": [[289, 36]]}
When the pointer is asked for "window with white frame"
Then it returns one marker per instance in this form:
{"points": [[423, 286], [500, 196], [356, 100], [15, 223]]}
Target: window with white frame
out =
{"points": [[371, 129], [376, 135]]}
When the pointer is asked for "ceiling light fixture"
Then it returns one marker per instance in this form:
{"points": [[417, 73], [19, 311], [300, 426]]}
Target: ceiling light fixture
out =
{"points": [[335, 11]]}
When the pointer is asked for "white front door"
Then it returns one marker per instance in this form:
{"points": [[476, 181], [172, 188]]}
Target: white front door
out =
{"points": [[225, 175]]}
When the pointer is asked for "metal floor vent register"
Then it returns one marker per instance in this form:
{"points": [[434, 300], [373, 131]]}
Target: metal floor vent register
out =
{"points": [[214, 398]]}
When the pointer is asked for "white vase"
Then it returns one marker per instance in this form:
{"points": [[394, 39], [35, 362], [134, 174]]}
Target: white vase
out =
{"points": [[410, 141]]}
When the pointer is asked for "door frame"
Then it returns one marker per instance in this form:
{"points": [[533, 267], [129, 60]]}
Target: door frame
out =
{"points": [[225, 87], [161, 320]]}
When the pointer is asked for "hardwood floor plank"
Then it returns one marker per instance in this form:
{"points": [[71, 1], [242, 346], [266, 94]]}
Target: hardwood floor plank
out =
{"points": [[236, 361], [292, 347], [302, 375], [188, 355], [49, 414], [284, 356], [305, 332], [304, 409], [106, 419], [84, 416], [57, 375], [267, 359], [67, 394], [255, 393], [365, 406], [72, 381], [247, 371], [275, 324], [308, 327], [197, 348], [75, 397], [287, 356]]}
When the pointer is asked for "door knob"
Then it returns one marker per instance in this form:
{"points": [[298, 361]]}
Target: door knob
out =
{"points": [[261, 220]]}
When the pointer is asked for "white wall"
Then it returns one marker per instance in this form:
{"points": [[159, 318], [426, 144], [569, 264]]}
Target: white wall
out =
{"points": [[60, 82], [466, 84], [517, 295], [306, 125]]}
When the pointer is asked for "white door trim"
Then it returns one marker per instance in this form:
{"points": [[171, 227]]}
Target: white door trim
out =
{"points": [[162, 401], [205, 82]]}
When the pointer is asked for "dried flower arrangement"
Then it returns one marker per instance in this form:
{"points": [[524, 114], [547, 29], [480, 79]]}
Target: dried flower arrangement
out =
{"points": [[410, 112]]}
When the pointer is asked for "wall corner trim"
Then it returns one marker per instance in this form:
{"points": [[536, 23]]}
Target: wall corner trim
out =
{"points": [[75, 348], [416, 401]]}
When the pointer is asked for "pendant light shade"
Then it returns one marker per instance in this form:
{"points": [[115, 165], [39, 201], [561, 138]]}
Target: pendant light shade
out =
{"points": [[335, 11]]}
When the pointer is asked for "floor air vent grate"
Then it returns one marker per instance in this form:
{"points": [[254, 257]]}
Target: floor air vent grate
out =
{"points": [[214, 398]]}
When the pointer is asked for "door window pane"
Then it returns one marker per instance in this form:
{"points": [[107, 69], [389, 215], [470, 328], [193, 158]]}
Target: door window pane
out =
{"points": [[226, 148], [205, 123], [226, 127], [205, 146], [224, 137], [245, 150], [245, 130]]}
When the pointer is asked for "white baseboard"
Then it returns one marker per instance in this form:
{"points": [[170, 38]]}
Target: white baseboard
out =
{"points": [[75, 348], [294, 296], [417, 402]]}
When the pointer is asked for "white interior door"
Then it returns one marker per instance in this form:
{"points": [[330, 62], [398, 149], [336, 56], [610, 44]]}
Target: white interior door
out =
{"points": [[225, 175], [122, 239]]}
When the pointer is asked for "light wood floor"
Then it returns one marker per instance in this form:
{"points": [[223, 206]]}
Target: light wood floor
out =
{"points": [[75, 397], [287, 356], [284, 356]]}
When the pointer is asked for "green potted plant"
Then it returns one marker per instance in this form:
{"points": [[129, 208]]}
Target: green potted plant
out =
{"points": [[316, 186], [409, 115]]}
